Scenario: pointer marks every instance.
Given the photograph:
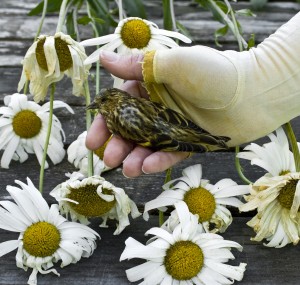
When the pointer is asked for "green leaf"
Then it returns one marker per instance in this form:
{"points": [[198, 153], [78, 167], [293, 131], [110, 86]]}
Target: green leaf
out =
{"points": [[52, 6], [220, 33], [98, 20], [84, 20], [251, 41], [135, 8], [100, 10], [258, 4], [70, 25], [245, 12], [183, 30]]}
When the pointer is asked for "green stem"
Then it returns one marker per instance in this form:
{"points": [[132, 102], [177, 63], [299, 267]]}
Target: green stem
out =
{"points": [[232, 24], [42, 20], [88, 125], [293, 141], [235, 28], [96, 34], [167, 179], [36, 36], [169, 15], [42, 169], [120, 6], [62, 16], [239, 168]]}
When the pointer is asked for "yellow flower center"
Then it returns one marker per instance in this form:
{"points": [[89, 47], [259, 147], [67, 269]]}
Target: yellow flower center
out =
{"points": [[287, 194], [26, 124], [90, 203], [184, 260], [100, 151], [41, 239], [63, 54], [136, 34], [201, 202]]}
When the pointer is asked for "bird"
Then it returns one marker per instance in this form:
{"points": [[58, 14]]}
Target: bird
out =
{"points": [[153, 125]]}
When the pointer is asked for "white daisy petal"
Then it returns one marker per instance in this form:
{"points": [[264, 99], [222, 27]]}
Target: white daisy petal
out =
{"points": [[8, 246], [193, 190], [276, 199], [59, 239], [42, 74], [17, 144], [140, 271], [174, 244], [113, 204], [126, 41]]}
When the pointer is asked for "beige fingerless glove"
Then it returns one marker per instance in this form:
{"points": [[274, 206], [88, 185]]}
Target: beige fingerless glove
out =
{"points": [[242, 95]]}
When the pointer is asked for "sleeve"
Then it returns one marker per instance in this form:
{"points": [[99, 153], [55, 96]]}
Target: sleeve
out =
{"points": [[243, 95]]}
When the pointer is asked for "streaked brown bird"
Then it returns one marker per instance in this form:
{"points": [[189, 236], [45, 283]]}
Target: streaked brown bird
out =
{"points": [[153, 125]]}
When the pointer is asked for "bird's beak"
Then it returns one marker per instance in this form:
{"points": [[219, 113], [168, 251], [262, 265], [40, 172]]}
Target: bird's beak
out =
{"points": [[92, 106]]}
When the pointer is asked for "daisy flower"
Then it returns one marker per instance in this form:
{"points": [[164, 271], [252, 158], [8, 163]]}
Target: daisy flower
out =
{"points": [[45, 236], [84, 198], [134, 35], [202, 198], [277, 201], [23, 130], [275, 157], [78, 155], [184, 255], [48, 59]]}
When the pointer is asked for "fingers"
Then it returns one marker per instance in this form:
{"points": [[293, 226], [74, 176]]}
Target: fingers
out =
{"points": [[116, 151], [132, 166], [143, 160], [161, 161], [98, 133], [135, 89], [125, 67]]}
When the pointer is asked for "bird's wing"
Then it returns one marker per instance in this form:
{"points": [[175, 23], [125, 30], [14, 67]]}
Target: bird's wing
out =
{"points": [[176, 119], [166, 143]]}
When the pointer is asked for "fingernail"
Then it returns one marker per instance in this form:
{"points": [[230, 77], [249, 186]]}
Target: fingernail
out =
{"points": [[108, 56], [145, 171], [125, 175]]}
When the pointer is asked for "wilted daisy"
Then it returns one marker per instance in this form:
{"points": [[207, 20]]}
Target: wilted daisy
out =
{"points": [[202, 198], [48, 59], [277, 201], [184, 255], [134, 35], [23, 130], [45, 236], [78, 155], [84, 198], [275, 157]]}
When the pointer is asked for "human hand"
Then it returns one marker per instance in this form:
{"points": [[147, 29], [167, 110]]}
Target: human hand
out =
{"points": [[136, 159]]}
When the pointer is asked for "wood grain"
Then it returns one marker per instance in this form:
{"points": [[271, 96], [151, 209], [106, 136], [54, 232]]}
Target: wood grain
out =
{"points": [[266, 266]]}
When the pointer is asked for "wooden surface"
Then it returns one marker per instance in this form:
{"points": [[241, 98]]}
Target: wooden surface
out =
{"points": [[265, 265]]}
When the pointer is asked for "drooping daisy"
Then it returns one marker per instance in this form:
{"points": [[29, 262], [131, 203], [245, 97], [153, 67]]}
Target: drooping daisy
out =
{"points": [[23, 130], [184, 255], [277, 201], [48, 59], [45, 236], [85, 198], [202, 198], [78, 155], [275, 157], [134, 35]]}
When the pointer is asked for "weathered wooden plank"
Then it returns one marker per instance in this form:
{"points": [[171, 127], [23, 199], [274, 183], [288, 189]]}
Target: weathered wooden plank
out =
{"points": [[216, 166], [198, 22], [266, 266]]}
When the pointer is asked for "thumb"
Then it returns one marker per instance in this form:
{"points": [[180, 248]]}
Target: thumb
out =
{"points": [[127, 67]]}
